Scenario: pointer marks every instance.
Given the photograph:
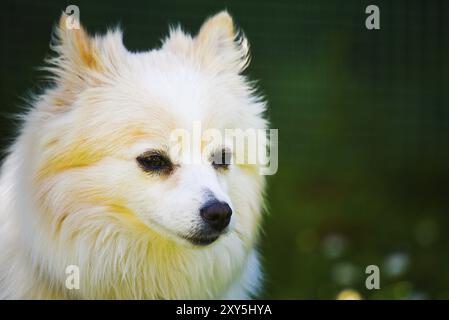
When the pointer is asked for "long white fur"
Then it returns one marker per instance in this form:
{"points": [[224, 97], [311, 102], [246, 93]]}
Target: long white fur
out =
{"points": [[99, 210]]}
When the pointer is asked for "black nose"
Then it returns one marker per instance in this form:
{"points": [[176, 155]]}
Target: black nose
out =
{"points": [[216, 214]]}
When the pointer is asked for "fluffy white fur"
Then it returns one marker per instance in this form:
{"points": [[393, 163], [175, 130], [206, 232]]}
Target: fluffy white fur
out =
{"points": [[72, 192]]}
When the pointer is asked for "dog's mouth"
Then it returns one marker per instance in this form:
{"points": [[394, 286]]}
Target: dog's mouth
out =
{"points": [[197, 238], [202, 240], [205, 236]]}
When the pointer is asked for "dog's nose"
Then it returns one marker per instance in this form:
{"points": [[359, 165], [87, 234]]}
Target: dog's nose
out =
{"points": [[216, 214]]}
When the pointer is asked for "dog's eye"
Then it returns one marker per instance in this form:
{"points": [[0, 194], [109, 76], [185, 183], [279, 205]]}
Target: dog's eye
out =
{"points": [[154, 162], [222, 159]]}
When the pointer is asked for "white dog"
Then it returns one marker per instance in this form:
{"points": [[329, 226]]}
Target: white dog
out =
{"points": [[93, 180]]}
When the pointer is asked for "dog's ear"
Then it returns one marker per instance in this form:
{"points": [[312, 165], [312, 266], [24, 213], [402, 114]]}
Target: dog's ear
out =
{"points": [[219, 44], [76, 45], [82, 60]]}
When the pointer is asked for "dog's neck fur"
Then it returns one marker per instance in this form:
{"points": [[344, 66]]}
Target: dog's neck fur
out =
{"points": [[127, 266]]}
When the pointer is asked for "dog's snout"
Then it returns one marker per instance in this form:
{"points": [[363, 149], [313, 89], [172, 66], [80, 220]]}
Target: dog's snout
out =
{"points": [[216, 214]]}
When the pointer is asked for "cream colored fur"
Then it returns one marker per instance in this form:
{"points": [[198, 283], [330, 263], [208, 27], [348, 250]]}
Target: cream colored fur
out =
{"points": [[72, 193]]}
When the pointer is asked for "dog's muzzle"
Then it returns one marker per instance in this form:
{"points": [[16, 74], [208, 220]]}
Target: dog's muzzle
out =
{"points": [[215, 216]]}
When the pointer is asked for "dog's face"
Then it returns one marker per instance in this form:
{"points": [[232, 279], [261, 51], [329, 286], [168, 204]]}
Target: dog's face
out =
{"points": [[107, 147]]}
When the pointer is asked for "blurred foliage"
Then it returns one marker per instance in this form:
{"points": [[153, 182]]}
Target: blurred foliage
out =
{"points": [[363, 124]]}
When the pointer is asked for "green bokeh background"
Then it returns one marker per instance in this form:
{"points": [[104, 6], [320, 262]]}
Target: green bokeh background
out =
{"points": [[363, 119]]}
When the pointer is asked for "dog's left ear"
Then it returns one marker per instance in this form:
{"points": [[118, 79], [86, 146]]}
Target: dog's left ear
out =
{"points": [[220, 45]]}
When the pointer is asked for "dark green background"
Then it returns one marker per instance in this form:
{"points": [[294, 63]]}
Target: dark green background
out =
{"points": [[363, 119]]}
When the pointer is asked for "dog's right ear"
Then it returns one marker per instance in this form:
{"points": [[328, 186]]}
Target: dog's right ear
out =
{"points": [[81, 59], [76, 45]]}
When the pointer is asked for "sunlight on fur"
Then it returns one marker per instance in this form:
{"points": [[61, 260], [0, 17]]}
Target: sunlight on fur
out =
{"points": [[73, 193]]}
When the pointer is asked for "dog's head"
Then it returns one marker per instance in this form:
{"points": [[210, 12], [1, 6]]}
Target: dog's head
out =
{"points": [[106, 154]]}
